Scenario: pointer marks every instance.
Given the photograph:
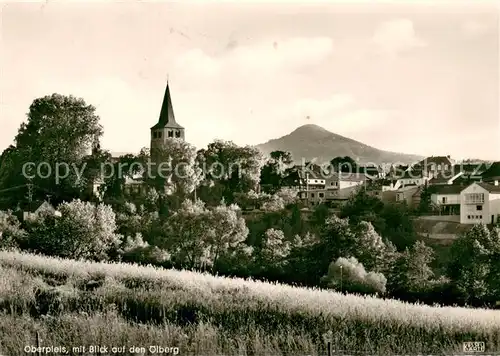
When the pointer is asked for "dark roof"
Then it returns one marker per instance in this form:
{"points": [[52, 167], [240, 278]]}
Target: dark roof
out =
{"points": [[167, 118], [492, 172], [490, 187], [426, 162], [470, 168], [443, 177], [387, 181], [412, 174], [447, 189], [352, 177]]}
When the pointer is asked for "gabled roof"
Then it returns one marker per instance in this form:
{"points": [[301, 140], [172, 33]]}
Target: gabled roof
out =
{"points": [[387, 181], [426, 162], [492, 172], [444, 177], [352, 177], [470, 168], [167, 118], [490, 187], [447, 189], [407, 188], [412, 174]]}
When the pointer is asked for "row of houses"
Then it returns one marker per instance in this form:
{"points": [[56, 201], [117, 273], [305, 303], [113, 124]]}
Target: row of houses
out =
{"points": [[471, 192]]}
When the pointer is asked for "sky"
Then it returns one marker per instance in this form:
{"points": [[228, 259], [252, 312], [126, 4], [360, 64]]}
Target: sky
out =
{"points": [[419, 78]]}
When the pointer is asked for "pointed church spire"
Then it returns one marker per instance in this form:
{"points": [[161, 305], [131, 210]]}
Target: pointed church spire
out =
{"points": [[167, 117]]}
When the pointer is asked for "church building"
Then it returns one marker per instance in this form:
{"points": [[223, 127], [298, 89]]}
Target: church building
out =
{"points": [[166, 127]]}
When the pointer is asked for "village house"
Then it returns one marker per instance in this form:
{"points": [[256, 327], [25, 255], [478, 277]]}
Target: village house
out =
{"points": [[491, 174], [470, 171], [433, 165], [389, 184], [446, 178], [327, 196], [447, 198], [40, 208], [340, 180], [480, 203], [412, 178], [409, 194]]}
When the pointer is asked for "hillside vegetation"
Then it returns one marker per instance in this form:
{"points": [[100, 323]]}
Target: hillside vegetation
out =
{"points": [[73, 302]]}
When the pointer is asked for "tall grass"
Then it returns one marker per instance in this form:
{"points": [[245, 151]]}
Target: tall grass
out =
{"points": [[277, 317]]}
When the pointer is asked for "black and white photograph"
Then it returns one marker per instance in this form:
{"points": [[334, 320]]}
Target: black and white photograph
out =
{"points": [[247, 178]]}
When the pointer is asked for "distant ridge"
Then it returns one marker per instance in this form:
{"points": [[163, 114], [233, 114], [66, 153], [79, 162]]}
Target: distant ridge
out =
{"points": [[313, 141]]}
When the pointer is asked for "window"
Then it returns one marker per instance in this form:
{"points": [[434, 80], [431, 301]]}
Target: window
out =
{"points": [[170, 133], [445, 167], [481, 217], [312, 195], [321, 195], [155, 134], [177, 134], [444, 200], [159, 134], [468, 217], [479, 207], [474, 198], [331, 183]]}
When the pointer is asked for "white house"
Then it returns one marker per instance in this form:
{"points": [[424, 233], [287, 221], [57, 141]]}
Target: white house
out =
{"points": [[480, 203], [432, 166], [343, 180], [447, 198], [43, 207], [390, 184], [445, 178], [412, 177]]}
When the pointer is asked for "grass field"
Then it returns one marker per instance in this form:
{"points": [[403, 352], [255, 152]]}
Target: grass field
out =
{"points": [[74, 303]]}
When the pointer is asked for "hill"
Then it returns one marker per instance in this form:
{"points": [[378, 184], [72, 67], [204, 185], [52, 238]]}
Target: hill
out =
{"points": [[85, 303], [312, 141]]}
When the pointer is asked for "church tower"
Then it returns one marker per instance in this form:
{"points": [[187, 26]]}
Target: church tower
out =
{"points": [[166, 127]]}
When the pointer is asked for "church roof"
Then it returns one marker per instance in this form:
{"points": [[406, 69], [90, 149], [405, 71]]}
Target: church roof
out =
{"points": [[167, 118]]}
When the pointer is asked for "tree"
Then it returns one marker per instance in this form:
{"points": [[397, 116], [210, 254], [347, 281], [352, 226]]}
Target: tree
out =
{"points": [[135, 249], [197, 236], [273, 171], [412, 272], [178, 170], [393, 222], [60, 130], [344, 164], [83, 230], [230, 168], [11, 232], [275, 245], [473, 266]]}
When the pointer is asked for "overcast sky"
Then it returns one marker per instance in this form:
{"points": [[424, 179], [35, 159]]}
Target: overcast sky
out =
{"points": [[415, 78]]}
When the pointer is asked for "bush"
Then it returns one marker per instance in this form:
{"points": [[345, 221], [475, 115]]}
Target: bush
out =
{"points": [[10, 230], [352, 276], [83, 230]]}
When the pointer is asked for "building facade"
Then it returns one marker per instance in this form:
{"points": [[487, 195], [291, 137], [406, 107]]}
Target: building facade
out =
{"points": [[480, 203]]}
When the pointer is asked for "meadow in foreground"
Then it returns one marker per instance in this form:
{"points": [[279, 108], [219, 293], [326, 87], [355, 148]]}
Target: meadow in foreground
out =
{"points": [[74, 302]]}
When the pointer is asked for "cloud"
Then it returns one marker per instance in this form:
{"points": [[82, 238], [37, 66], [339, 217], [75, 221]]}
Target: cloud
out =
{"points": [[474, 29], [262, 58], [395, 36]]}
